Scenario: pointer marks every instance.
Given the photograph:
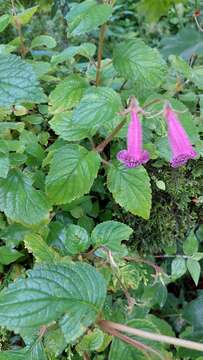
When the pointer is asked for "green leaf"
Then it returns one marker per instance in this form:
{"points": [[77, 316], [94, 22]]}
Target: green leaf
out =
{"points": [[4, 165], [76, 240], [178, 267], [86, 50], [8, 255], [110, 234], [131, 189], [193, 313], [62, 124], [4, 21], [67, 93], [194, 270], [138, 62], [87, 16], [18, 82], [91, 342], [98, 107], [152, 10], [54, 342], [21, 202], [25, 16], [13, 234], [40, 249], [50, 291], [190, 245], [43, 41], [36, 352], [72, 172], [13, 355], [185, 43], [161, 185]]}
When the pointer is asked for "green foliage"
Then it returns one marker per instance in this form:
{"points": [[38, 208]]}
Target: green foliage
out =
{"points": [[49, 292], [22, 86], [84, 238], [87, 16], [72, 172], [138, 62], [21, 202], [131, 189]]}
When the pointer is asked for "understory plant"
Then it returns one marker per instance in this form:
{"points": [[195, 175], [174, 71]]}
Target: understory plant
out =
{"points": [[101, 185]]}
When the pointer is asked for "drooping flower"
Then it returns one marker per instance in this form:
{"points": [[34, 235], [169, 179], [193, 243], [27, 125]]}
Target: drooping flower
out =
{"points": [[181, 147], [134, 155]]}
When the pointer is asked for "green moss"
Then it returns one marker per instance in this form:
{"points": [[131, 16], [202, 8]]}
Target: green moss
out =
{"points": [[174, 211]]}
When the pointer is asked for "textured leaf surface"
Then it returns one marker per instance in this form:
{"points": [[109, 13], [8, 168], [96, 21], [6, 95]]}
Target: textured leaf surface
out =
{"points": [[4, 164], [97, 107], [21, 202], [50, 291], [63, 125], [138, 62], [36, 352], [86, 50], [76, 240], [131, 189], [72, 172], [185, 43], [40, 249], [43, 40], [110, 234], [87, 16], [67, 93], [18, 82]]}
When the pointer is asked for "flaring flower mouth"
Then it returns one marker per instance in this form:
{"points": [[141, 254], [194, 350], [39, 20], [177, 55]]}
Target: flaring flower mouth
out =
{"points": [[181, 146], [131, 162], [182, 159]]}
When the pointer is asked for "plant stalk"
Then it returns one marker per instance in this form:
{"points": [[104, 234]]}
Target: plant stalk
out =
{"points": [[151, 336], [100, 50]]}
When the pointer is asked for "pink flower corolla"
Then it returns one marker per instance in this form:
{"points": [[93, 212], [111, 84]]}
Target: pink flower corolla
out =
{"points": [[134, 155], [181, 147]]}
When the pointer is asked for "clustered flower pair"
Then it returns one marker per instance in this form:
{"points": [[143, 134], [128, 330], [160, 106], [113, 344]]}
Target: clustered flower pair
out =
{"points": [[181, 147]]}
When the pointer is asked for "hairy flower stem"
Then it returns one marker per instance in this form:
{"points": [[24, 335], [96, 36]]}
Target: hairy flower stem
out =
{"points": [[105, 326], [100, 50], [23, 49], [109, 138], [151, 336], [86, 356]]}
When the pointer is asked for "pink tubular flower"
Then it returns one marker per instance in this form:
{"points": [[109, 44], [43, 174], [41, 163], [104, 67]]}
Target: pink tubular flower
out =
{"points": [[134, 155], [181, 147]]}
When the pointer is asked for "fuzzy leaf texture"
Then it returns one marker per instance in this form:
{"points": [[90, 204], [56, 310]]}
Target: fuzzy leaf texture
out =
{"points": [[67, 93], [21, 202], [49, 292], [87, 16], [110, 234], [98, 107], [72, 172], [138, 62], [18, 82], [131, 189]]}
